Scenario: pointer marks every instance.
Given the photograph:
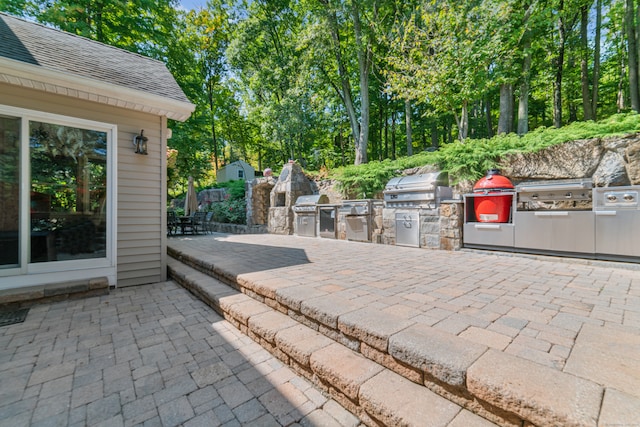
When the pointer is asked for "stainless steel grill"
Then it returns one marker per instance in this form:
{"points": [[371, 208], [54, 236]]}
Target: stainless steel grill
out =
{"points": [[555, 195], [555, 216], [305, 210], [417, 191], [407, 195]]}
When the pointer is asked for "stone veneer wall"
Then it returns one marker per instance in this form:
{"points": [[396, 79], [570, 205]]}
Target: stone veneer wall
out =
{"points": [[451, 222], [292, 183], [258, 194]]}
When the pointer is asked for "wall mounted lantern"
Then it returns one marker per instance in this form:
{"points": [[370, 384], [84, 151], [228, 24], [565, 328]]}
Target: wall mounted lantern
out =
{"points": [[140, 142]]}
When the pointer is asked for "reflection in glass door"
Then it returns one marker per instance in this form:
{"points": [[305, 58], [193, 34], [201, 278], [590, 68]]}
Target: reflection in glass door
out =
{"points": [[68, 192], [9, 192]]}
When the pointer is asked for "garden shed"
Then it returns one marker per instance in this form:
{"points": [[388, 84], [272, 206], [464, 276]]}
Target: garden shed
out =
{"points": [[236, 170], [83, 137]]}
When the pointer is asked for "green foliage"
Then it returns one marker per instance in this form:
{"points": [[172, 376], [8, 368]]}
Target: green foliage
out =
{"points": [[470, 160], [230, 211], [235, 188]]}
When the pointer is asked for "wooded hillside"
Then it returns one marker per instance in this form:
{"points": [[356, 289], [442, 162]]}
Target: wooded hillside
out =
{"points": [[336, 82]]}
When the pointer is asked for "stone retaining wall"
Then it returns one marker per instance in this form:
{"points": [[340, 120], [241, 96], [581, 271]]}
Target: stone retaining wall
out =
{"points": [[220, 227]]}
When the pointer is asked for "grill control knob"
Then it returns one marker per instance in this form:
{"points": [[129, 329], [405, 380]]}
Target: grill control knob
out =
{"points": [[534, 196], [568, 195], [612, 197], [628, 197]]}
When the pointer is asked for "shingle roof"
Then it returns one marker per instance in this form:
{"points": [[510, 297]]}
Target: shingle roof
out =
{"points": [[55, 50]]}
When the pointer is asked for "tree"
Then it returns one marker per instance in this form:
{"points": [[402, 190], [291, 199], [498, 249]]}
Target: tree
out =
{"points": [[142, 26], [335, 13], [443, 55], [632, 54], [211, 29]]}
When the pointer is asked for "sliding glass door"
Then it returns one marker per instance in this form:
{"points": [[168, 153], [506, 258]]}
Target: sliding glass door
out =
{"points": [[9, 191], [56, 194]]}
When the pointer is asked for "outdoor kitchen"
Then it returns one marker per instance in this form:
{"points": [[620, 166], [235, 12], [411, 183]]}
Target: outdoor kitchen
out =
{"points": [[554, 217], [539, 206], [416, 211]]}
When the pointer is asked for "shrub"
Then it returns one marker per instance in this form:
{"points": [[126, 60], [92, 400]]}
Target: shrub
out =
{"points": [[231, 211], [471, 159]]}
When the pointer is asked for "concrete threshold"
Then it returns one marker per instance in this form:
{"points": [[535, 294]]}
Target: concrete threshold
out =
{"points": [[390, 371]]}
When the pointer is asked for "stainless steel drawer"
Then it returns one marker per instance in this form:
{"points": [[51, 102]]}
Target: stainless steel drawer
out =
{"points": [[488, 234]]}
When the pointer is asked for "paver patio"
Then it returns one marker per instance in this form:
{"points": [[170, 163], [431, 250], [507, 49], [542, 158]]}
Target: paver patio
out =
{"points": [[149, 355], [156, 355], [538, 315]]}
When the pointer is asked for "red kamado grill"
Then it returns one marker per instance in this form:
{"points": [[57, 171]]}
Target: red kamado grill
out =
{"points": [[494, 197]]}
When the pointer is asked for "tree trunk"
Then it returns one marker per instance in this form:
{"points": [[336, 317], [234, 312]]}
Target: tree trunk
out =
{"points": [[364, 53], [559, 64], [407, 121], [434, 136], [620, 98], [462, 121], [632, 55], [596, 61], [393, 134], [487, 107], [584, 64], [214, 140], [523, 100], [386, 128], [506, 108], [571, 91], [381, 121]]}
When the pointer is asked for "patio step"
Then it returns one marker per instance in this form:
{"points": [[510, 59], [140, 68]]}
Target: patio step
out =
{"points": [[373, 393], [387, 370]]}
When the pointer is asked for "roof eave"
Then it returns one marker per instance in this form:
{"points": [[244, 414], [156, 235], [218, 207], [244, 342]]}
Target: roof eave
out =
{"points": [[55, 81]]}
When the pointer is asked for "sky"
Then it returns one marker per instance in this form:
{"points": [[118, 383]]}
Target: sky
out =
{"points": [[193, 4]]}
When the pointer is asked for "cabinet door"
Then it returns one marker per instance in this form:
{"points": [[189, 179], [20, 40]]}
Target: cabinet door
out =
{"points": [[574, 232], [533, 231], [617, 232]]}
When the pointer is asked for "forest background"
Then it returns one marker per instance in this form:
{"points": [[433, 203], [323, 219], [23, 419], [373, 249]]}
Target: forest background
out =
{"points": [[331, 83]]}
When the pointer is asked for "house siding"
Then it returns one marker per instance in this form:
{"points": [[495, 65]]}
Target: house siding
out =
{"points": [[141, 198]]}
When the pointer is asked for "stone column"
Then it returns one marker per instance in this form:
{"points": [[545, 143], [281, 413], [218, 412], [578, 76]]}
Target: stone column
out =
{"points": [[451, 220]]}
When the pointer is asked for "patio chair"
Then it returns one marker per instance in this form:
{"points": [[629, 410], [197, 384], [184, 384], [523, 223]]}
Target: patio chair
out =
{"points": [[172, 223], [208, 222], [198, 222]]}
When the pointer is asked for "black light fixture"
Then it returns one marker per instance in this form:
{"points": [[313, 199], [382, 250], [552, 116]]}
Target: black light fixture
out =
{"points": [[140, 142]]}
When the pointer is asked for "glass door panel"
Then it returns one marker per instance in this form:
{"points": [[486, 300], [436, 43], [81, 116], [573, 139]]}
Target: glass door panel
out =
{"points": [[68, 192], [9, 192]]}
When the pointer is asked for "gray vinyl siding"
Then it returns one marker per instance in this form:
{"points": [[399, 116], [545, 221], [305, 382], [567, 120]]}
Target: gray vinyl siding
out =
{"points": [[141, 236]]}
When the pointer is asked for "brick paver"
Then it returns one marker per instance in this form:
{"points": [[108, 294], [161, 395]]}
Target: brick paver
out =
{"points": [[148, 355]]}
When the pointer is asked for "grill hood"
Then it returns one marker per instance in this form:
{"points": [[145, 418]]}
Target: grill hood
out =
{"points": [[417, 183], [423, 190], [312, 200]]}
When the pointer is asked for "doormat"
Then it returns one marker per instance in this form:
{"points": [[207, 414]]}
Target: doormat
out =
{"points": [[12, 317]]}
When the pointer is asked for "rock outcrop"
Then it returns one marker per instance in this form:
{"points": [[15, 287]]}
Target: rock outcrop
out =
{"points": [[611, 161]]}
